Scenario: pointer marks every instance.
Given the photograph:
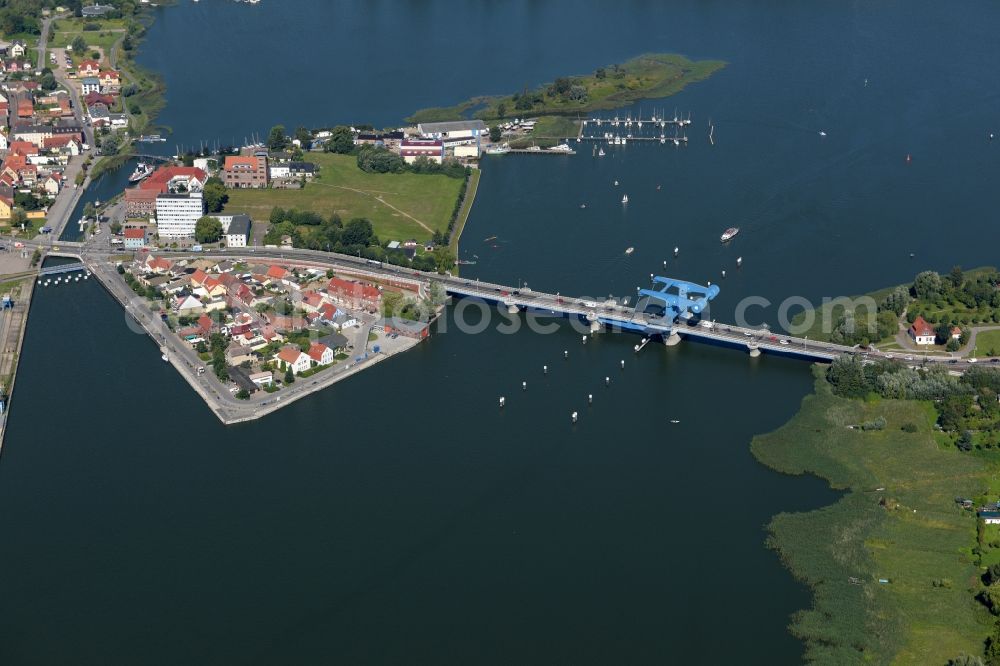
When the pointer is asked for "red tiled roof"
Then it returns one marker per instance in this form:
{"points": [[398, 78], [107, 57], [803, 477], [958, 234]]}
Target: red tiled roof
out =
{"points": [[240, 160], [289, 354], [134, 232], [920, 327], [316, 350], [159, 179], [276, 272]]}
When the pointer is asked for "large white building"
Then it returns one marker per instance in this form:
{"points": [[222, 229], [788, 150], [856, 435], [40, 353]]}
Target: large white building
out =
{"points": [[177, 214], [468, 130]]}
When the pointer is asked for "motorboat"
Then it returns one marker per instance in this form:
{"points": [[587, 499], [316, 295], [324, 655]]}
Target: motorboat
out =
{"points": [[630, 250], [729, 234]]}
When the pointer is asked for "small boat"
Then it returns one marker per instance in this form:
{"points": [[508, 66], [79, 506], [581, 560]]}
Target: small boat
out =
{"points": [[674, 421], [625, 199], [164, 357], [616, 183], [908, 158], [630, 250], [822, 133], [729, 234], [465, 262], [501, 149], [600, 153], [533, 149], [491, 238], [583, 205], [561, 148]]}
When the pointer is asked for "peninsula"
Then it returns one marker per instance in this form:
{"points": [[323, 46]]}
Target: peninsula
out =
{"points": [[648, 76], [905, 567]]}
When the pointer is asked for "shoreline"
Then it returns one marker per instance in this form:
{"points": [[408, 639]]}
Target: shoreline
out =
{"points": [[16, 350], [886, 564]]}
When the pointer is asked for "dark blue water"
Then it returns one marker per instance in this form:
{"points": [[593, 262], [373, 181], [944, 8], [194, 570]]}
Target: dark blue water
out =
{"points": [[105, 187], [400, 516]]}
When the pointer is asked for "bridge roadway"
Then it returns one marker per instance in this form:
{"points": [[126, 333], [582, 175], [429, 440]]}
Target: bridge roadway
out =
{"points": [[607, 313]]}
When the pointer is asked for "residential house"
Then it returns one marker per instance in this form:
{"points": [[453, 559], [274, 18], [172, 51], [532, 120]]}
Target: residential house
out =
{"points": [[157, 265], [990, 517], [89, 68], [110, 80], [237, 234], [354, 294], [90, 84], [52, 183], [320, 354], [237, 354], [293, 357], [956, 333], [334, 341], [188, 305], [922, 332], [135, 238], [18, 49], [262, 379], [6, 206]]}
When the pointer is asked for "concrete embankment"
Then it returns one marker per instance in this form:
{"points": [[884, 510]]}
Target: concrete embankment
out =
{"points": [[15, 324]]}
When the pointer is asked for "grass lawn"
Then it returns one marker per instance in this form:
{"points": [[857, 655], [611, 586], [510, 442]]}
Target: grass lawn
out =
{"points": [[988, 343], [400, 206], [910, 532]]}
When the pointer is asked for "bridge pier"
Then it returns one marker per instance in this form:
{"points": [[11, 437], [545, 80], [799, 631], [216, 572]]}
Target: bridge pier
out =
{"points": [[595, 326], [754, 351], [512, 309], [673, 339]]}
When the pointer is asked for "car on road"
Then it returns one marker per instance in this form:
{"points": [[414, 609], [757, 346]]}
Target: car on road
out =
{"points": [[907, 358], [972, 360], [749, 334], [783, 341]]}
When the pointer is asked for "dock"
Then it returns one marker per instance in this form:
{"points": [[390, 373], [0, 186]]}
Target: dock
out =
{"points": [[541, 151]]}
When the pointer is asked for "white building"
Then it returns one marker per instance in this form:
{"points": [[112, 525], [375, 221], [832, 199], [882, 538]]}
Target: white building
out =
{"points": [[280, 171], [454, 130], [237, 232], [177, 214]]}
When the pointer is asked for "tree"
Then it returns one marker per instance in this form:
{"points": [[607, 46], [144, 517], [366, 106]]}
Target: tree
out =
{"points": [[79, 44], [376, 159], [501, 110], [89, 210], [927, 286], [214, 194], [242, 394], [601, 73], [18, 217], [289, 376], [304, 136], [577, 93], [357, 232], [207, 229], [495, 133], [341, 140], [956, 277], [277, 140], [116, 227]]}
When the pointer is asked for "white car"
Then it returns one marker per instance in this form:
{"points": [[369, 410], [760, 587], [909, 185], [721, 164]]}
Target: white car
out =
{"points": [[783, 341]]}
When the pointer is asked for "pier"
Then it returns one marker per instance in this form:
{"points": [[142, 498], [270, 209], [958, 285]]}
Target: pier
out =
{"points": [[540, 151]]}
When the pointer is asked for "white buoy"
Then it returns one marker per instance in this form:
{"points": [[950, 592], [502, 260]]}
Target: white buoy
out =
{"points": [[545, 369], [677, 251], [573, 416], [650, 276], [585, 339], [664, 263], [590, 398], [723, 272], [739, 261], [502, 401], [524, 386], [565, 353], [607, 381], [623, 364]]}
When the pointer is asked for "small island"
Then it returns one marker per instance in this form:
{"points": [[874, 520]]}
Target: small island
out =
{"points": [[558, 104]]}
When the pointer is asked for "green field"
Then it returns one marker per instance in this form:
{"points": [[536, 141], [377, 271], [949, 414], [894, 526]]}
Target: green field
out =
{"points": [[988, 343], [647, 76], [400, 206], [896, 521]]}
